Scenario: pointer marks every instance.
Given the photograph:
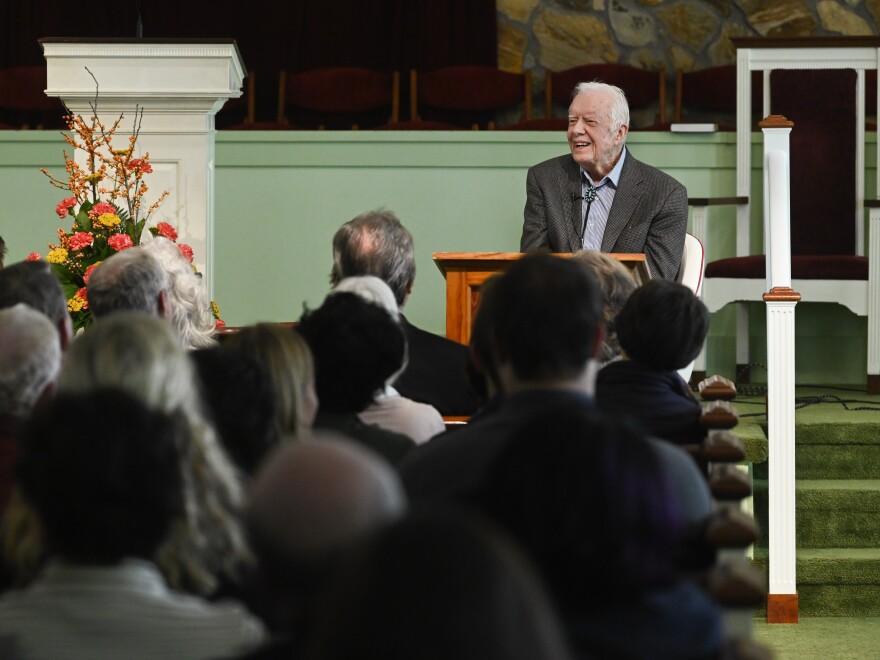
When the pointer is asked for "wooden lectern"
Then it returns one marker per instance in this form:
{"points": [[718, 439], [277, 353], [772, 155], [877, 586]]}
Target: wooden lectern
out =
{"points": [[465, 272]]}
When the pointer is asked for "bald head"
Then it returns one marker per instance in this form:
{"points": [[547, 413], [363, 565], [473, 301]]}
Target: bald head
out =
{"points": [[313, 497]]}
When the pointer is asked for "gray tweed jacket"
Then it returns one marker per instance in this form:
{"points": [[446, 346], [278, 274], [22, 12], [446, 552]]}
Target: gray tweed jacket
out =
{"points": [[649, 213]]}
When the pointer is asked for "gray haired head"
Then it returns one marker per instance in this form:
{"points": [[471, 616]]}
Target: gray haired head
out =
{"points": [[375, 243]]}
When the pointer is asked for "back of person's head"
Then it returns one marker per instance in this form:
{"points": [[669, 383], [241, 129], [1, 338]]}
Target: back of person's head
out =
{"points": [[131, 280], [438, 584], [188, 306], [241, 403], [375, 243], [586, 497], [32, 283], [141, 355], [136, 353], [663, 325], [30, 358], [547, 317], [617, 283], [357, 347], [311, 499], [288, 360], [101, 471]]}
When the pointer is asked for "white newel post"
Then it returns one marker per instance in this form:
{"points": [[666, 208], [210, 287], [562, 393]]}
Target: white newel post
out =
{"points": [[782, 603], [180, 85]]}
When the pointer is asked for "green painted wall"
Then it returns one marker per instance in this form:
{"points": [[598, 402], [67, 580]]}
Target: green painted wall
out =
{"points": [[280, 196]]}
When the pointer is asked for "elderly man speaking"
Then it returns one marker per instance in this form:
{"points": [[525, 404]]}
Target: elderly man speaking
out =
{"points": [[600, 197]]}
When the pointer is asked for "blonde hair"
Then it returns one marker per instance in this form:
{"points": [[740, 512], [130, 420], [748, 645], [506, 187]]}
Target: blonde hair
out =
{"points": [[139, 354], [288, 360], [617, 284]]}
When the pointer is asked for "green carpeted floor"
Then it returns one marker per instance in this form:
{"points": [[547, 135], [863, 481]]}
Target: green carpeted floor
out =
{"points": [[822, 638], [837, 438]]}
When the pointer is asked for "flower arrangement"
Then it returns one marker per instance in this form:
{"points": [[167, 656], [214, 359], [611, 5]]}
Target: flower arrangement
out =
{"points": [[106, 204]]}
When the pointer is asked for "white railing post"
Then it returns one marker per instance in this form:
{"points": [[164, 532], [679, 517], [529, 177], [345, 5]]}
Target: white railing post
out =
{"points": [[782, 600]]}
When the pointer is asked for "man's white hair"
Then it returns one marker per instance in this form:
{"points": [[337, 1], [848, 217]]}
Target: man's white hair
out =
{"points": [[30, 358]]}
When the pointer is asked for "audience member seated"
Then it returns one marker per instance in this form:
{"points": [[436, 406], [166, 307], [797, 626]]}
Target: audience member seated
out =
{"points": [[288, 360], [376, 243], [188, 305], [308, 503], [32, 283], [590, 502], [390, 410], [128, 281], [437, 585], [240, 399], [661, 329], [102, 474], [30, 358], [357, 346], [617, 285], [546, 330], [141, 355]]}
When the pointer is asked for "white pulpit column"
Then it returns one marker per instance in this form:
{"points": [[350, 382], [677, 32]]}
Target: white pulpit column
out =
{"points": [[180, 86], [782, 601]]}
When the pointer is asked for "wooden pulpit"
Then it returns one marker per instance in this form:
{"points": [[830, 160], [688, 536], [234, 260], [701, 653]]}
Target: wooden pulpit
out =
{"points": [[465, 272]]}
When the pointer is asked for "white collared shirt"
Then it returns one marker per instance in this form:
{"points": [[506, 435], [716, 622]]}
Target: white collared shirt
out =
{"points": [[601, 206]]}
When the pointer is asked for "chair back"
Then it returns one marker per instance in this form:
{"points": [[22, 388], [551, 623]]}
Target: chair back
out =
{"points": [[823, 157], [690, 273], [338, 98], [710, 95], [469, 96]]}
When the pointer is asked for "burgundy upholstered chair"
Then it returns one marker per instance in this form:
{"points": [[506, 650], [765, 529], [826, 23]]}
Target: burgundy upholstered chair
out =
{"points": [[338, 98], [828, 262], [468, 97]]}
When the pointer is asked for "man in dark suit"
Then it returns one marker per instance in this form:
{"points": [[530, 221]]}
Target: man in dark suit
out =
{"points": [[600, 197], [376, 243]]}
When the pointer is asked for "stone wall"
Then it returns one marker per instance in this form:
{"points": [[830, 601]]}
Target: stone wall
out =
{"points": [[672, 34]]}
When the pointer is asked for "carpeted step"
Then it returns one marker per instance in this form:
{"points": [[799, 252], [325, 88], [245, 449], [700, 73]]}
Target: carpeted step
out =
{"points": [[829, 513], [838, 461], [835, 581]]}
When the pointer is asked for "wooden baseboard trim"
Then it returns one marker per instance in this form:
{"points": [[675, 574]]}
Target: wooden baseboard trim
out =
{"points": [[873, 384], [782, 608]]}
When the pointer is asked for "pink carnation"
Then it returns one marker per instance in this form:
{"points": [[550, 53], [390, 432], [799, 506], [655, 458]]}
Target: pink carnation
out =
{"points": [[101, 208], [120, 242], [140, 164], [186, 251], [88, 274], [80, 240], [34, 256], [64, 205], [167, 230], [220, 324]]}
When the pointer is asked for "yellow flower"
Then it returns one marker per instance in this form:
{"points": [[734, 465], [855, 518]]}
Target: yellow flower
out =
{"points": [[109, 220], [215, 310], [94, 178], [57, 256], [75, 304]]}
